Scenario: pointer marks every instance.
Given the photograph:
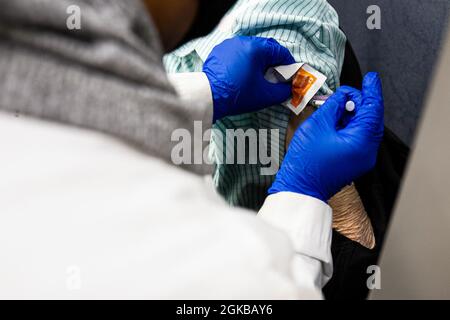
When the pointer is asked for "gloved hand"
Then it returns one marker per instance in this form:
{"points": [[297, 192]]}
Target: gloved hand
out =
{"points": [[334, 147], [235, 70]]}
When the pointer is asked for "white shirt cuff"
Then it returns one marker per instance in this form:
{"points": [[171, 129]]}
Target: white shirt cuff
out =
{"points": [[307, 222], [192, 88]]}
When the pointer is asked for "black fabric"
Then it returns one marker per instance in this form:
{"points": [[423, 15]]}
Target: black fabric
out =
{"points": [[209, 14], [378, 191], [351, 71]]}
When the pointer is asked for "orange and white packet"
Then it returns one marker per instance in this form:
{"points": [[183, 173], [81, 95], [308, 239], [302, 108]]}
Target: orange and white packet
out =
{"points": [[306, 82]]}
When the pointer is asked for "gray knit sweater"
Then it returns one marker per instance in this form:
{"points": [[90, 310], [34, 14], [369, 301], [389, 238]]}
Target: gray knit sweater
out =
{"points": [[108, 76]]}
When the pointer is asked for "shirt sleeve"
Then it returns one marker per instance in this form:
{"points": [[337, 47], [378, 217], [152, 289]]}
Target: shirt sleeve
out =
{"points": [[307, 222]]}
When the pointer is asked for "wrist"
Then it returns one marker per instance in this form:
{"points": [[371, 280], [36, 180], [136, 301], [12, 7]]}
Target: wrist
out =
{"points": [[224, 97], [298, 188], [220, 94]]}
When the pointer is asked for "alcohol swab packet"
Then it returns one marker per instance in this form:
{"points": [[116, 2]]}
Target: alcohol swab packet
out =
{"points": [[306, 82]]}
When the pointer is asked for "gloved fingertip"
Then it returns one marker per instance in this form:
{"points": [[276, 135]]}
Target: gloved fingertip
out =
{"points": [[372, 85], [277, 54], [339, 97], [351, 93], [285, 55], [271, 40], [371, 77], [347, 90]]}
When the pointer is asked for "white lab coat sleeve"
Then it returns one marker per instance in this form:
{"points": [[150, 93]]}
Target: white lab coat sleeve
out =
{"points": [[193, 88], [307, 222]]}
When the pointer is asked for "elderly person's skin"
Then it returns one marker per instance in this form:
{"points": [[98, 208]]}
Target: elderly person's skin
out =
{"points": [[166, 16]]}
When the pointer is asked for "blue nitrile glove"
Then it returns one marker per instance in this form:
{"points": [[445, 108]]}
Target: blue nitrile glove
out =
{"points": [[333, 147], [235, 70]]}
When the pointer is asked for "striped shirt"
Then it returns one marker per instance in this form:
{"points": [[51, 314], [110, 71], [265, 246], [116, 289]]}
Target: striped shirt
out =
{"points": [[310, 30]]}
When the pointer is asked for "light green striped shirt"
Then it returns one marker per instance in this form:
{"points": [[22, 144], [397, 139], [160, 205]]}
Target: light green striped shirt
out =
{"points": [[310, 30]]}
